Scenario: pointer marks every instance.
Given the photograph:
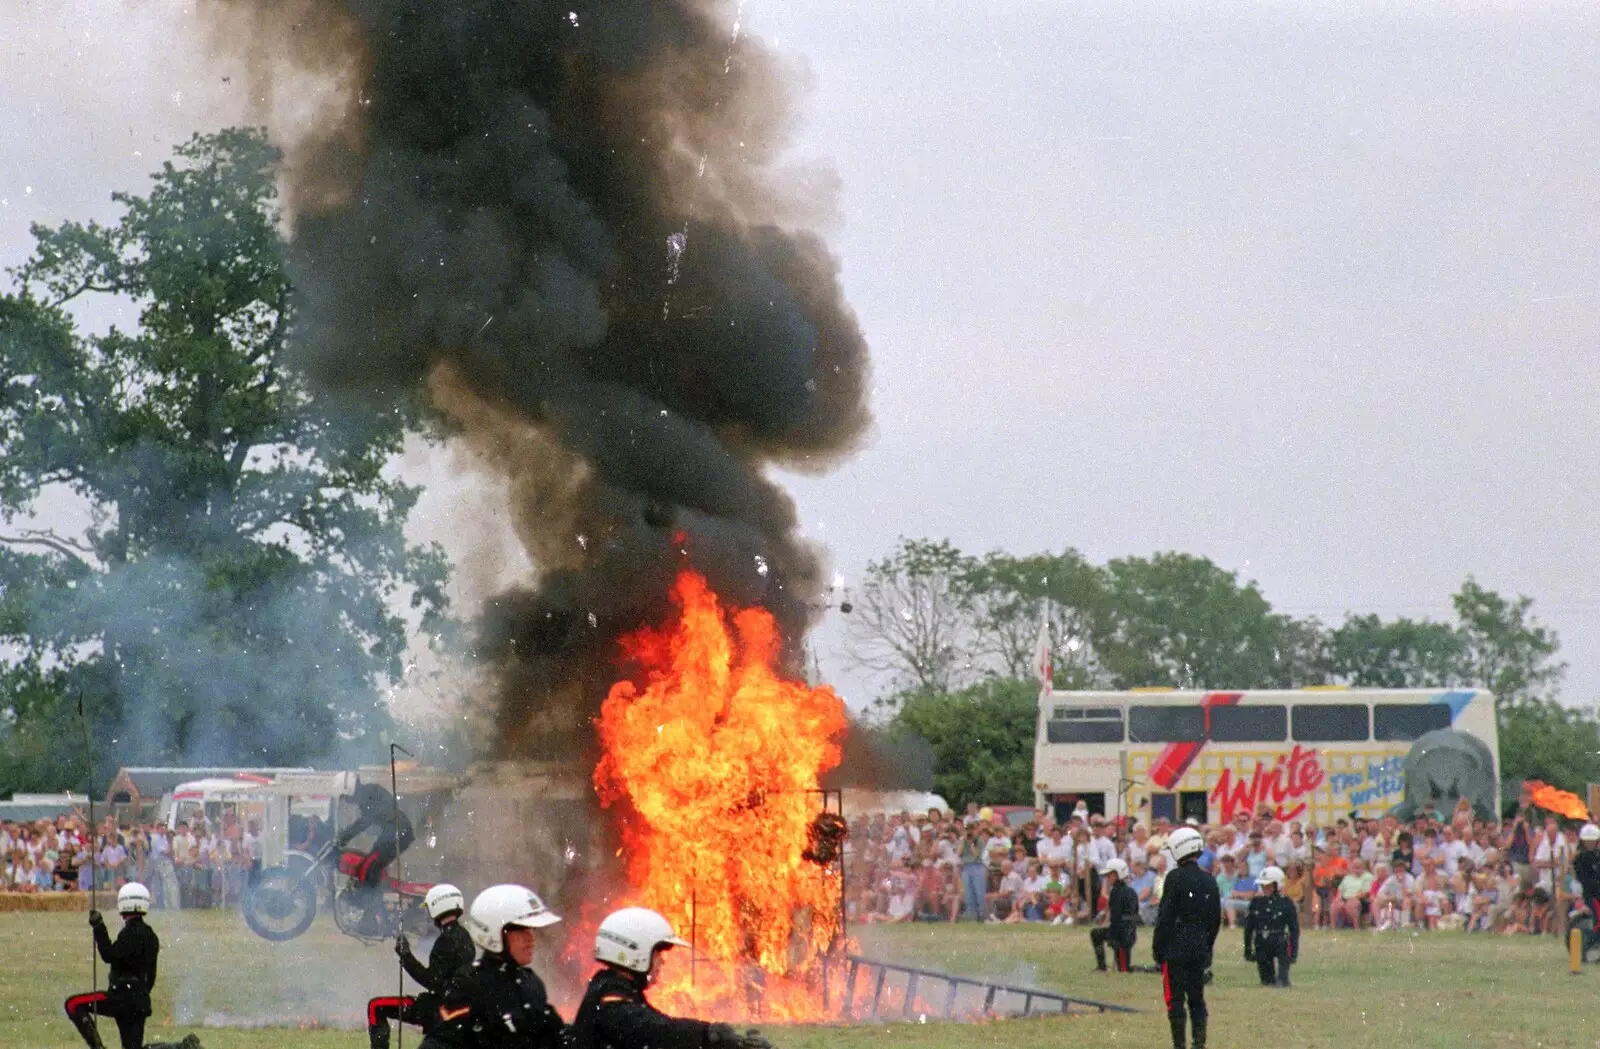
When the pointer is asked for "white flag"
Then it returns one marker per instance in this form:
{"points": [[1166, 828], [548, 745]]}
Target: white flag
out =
{"points": [[1041, 654]]}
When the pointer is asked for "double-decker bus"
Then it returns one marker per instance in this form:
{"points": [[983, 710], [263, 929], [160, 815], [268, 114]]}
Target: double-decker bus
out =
{"points": [[1313, 755]]}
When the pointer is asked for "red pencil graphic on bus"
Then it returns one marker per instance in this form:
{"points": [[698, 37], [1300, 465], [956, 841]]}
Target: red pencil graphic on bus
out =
{"points": [[1175, 760]]}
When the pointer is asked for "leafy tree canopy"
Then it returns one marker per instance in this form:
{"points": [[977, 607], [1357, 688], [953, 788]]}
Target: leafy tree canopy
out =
{"points": [[982, 739], [234, 597]]}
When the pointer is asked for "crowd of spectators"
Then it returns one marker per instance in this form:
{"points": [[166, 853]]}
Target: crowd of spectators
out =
{"points": [[1453, 871], [197, 864]]}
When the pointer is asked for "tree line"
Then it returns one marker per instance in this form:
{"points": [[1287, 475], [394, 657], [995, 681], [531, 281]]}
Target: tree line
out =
{"points": [[956, 634]]}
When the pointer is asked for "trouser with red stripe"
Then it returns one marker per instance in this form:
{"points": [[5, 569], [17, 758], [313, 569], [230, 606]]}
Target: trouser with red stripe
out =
{"points": [[420, 1011], [1121, 949], [1592, 936], [128, 1011], [1184, 986]]}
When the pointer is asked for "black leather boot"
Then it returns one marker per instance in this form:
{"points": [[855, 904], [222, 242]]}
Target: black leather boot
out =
{"points": [[91, 1034], [1199, 1033], [1179, 1033]]}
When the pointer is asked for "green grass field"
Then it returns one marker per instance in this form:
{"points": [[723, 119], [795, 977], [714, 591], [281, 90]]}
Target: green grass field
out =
{"points": [[1395, 991]]}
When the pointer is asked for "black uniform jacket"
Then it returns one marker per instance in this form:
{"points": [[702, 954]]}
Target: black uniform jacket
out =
{"points": [[497, 1004], [450, 959], [1272, 927], [1190, 915], [614, 1015], [1586, 866], [132, 959], [1122, 908]]}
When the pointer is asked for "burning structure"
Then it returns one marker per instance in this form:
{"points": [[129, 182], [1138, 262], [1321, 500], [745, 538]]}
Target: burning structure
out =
{"points": [[565, 229]]}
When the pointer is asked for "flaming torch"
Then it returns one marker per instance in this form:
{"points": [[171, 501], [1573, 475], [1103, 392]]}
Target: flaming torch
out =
{"points": [[711, 762]]}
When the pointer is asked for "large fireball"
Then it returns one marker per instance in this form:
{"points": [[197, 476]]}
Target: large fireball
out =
{"points": [[713, 766]]}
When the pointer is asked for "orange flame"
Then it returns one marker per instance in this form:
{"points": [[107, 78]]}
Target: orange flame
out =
{"points": [[714, 765]]}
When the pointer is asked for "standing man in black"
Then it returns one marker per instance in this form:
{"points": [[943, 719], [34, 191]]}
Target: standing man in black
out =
{"points": [[1185, 933], [1272, 930]]}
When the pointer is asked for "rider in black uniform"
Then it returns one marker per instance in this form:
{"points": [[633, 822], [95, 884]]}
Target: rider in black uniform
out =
{"points": [[449, 960], [615, 1014], [1272, 930], [378, 809], [1122, 920], [499, 1003], [132, 958], [1185, 933]]}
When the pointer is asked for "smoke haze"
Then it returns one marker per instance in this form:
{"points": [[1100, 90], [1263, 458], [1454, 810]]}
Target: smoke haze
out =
{"points": [[567, 223]]}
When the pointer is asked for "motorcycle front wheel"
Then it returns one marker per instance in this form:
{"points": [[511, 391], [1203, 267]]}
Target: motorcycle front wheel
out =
{"points": [[280, 905]]}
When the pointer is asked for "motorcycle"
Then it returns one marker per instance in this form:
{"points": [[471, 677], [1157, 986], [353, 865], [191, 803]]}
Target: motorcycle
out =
{"points": [[281, 903]]}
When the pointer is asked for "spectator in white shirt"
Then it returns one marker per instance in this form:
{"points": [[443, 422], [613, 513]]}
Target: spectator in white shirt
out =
{"points": [[1102, 845], [1450, 851], [1032, 901], [1138, 850], [1393, 898], [948, 849], [110, 860], [1277, 842], [1550, 856], [182, 841], [1240, 835], [1054, 849], [1005, 898]]}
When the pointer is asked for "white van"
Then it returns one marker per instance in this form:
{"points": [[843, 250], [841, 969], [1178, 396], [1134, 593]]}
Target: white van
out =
{"points": [[276, 804]]}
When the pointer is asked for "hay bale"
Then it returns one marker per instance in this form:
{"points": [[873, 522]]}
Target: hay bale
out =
{"points": [[14, 902]]}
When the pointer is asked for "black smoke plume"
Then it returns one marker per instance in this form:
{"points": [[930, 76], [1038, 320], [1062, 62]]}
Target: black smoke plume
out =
{"points": [[566, 222]]}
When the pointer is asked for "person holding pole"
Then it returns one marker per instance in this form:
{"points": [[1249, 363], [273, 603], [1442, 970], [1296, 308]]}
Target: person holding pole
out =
{"points": [[132, 961], [449, 960], [500, 1003]]}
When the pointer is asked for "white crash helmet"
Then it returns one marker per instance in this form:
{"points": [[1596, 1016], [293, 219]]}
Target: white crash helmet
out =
{"points": [[1270, 876], [442, 899], [1185, 842], [1117, 867], [501, 906], [133, 898], [630, 936], [1589, 832]]}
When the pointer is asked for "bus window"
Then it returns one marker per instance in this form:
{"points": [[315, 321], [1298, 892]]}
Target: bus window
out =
{"points": [[1084, 725], [1167, 724], [1249, 724], [1331, 723], [1407, 721], [1192, 806]]}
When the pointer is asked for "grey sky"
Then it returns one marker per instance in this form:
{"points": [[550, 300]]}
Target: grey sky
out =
{"points": [[1312, 293]]}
